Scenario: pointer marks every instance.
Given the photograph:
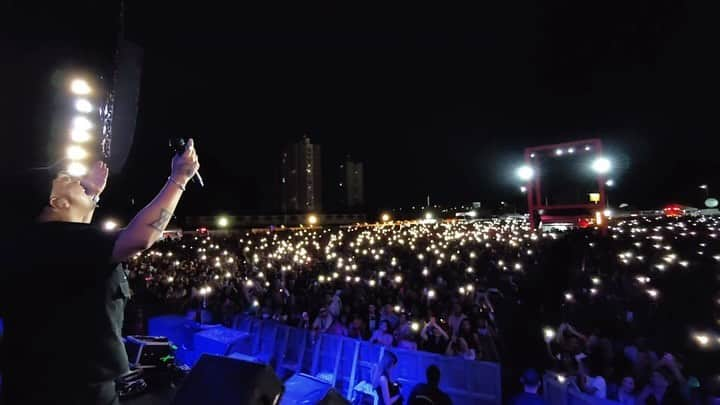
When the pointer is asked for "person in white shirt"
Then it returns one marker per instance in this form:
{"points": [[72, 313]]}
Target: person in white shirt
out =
{"points": [[323, 321], [455, 320], [590, 377]]}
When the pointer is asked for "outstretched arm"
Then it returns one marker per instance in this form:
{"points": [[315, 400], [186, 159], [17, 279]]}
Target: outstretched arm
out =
{"points": [[94, 183], [149, 224]]}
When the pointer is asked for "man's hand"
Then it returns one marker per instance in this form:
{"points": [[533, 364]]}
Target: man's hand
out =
{"points": [[185, 165], [95, 180]]}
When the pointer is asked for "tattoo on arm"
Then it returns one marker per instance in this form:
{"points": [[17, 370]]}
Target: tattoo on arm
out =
{"points": [[160, 224]]}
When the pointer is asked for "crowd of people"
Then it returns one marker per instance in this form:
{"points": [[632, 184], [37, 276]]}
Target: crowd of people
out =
{"points": [[623, 316]]}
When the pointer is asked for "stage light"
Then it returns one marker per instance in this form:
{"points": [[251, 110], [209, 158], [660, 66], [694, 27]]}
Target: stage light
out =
{"points": [[523, 189], [610, 183], [525, 173], [587, 148], [472, 214], [561, 378], [601, 165], [110, 225], [170, 279], [75, 152], [571, 150], [428, 216], [385, 217], [558, 152], [415, 326], [431, 293], [80, 87], [312, 219], [532, 156], [704, 186], [223, 222], [607, 212], [77, 169], [82, 124], [79, 136], [83, 106]]}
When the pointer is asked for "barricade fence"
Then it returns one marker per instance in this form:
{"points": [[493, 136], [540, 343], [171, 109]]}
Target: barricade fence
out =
{"points": [[344, 363]]}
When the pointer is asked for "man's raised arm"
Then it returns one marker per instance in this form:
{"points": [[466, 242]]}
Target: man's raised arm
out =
{"points": [[149, 224]]}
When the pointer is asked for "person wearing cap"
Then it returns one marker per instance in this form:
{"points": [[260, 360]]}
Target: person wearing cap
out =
{"points": [[531, 384], [323, 321], [64, 345]]}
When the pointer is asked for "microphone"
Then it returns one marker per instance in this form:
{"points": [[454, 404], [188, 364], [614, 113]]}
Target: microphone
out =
{"points": [[178, 146]]}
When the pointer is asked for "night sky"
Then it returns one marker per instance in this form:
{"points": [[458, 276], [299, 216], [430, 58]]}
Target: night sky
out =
{"points": [[435, 100]]}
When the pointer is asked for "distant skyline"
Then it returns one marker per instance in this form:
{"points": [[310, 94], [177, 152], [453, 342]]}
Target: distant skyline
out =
{"points": [[442, 104]]}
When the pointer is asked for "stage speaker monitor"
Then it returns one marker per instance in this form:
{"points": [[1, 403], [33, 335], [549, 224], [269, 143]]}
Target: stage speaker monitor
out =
{"points": [[304, 389], [219, 380]]}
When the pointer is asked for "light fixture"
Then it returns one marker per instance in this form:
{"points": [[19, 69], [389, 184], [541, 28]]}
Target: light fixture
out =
{"points": [[223, 222], [385, 217], [80, 87], [610, 183], [558, 152], [77, 169], [74, 152], [312, 219], [525, 173], [601, 165], [82, 124], [523, 189], [83, 106], [80, 136]]}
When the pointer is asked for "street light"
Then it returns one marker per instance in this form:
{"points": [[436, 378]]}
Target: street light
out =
{"points": [[601, 165], [312, 219]]}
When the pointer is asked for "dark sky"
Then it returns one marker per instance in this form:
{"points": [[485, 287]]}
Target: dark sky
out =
{"points": [[435, 100]]}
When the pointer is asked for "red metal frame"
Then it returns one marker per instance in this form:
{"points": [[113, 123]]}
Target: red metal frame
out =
{"points": [[534, 186]]}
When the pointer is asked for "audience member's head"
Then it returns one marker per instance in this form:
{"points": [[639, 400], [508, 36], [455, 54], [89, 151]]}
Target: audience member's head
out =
{"points": [[531, 381], [433, 375]]}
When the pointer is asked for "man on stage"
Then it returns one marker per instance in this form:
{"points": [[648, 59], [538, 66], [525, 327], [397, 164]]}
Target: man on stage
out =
{"points": [[64, 291]]}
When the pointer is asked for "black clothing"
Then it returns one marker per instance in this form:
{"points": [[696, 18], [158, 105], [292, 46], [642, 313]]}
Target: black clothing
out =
{"points": [[426, 394], [63, 304], [393, 388]]}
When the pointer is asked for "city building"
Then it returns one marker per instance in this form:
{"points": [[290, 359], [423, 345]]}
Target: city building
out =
{"points": [[351, 184], [301, 177]]}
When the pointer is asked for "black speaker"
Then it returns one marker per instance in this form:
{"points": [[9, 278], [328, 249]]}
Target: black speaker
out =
{"points": [[303, 389], [219, 380]]}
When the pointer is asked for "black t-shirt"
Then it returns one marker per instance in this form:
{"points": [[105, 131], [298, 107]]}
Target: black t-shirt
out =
{"points": [[63, 301], [425, 394]]}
